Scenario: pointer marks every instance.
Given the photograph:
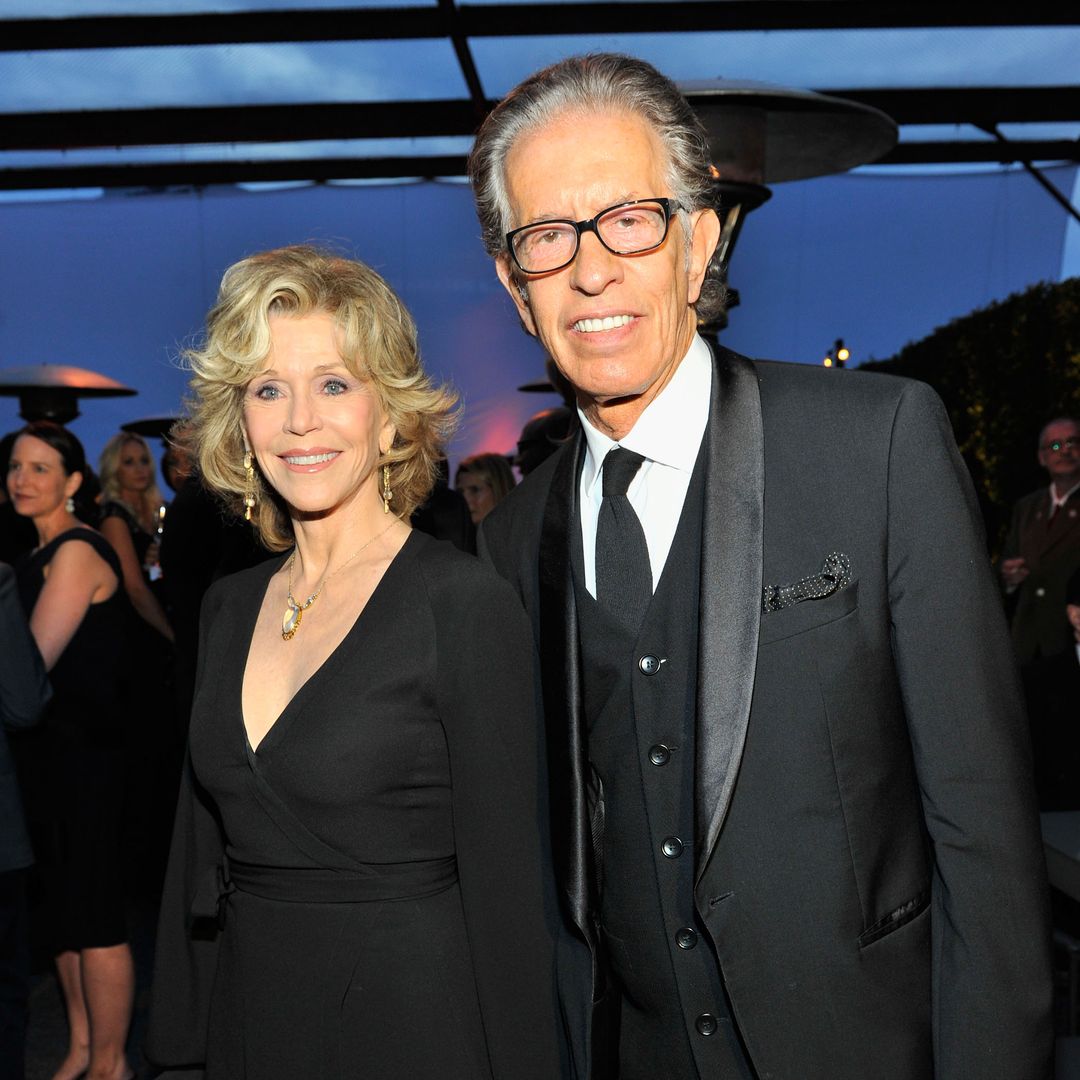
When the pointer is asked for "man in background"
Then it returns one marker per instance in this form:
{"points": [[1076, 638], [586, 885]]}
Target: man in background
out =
{"points": [[1042, 550]]}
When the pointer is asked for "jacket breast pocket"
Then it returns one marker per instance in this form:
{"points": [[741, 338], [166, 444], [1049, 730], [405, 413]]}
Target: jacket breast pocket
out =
{"points": [[808, 615]]}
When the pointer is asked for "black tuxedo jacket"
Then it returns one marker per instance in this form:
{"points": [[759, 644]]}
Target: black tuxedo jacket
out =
{"points": [[867, 855]]}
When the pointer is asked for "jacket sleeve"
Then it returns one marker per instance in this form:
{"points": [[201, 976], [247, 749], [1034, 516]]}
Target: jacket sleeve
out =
{"points": [[991, 988], [24, 688], [486, 699], [185, 959]]}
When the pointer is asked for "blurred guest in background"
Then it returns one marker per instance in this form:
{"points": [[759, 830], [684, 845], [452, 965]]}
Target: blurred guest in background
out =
{"points": [[542, 435], [444, 514], [485, 480], [70, 588], [200, 542], [17, 535], [23, 693], [1053, 691], [177, 464], [361, 787], [132, 513], [1042, 550], [132, 509]]}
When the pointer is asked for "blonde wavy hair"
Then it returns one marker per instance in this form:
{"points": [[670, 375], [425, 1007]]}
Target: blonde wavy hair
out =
{"points": [[145, 510], [378, 344]]}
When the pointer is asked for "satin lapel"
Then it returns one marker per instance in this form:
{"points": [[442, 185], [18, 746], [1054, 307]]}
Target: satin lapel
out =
{"points": [[730, 605], [560, 673]]}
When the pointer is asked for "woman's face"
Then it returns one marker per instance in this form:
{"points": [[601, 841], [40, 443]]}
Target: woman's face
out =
{"points": [[135, 470], [317, 431], [479, 495], [36, 481]]}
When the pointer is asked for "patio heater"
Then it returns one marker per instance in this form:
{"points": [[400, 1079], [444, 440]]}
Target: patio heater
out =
{"points": [[761, 134], [52, 391]]}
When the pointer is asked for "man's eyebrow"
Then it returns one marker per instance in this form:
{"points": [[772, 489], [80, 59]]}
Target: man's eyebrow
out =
{"points": [[551, 215]]}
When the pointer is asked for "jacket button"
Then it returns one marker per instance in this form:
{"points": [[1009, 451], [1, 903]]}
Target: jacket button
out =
{"points": [[659, 754], [672, 847], [686, 938], [706, 1024], [649, 664]]}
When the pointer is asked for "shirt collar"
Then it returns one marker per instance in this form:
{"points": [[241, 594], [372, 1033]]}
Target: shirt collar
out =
{"points": [[669, 431], [1060, 500]]}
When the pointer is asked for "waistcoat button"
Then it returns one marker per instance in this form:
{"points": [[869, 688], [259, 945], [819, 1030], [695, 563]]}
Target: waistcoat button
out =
{"points": [[659, 754], [686, 938], [706, 1024], [649, 664], [672, 847]]}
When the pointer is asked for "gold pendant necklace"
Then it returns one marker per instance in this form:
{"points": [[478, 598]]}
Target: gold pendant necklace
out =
{"points": [[294, 612]]}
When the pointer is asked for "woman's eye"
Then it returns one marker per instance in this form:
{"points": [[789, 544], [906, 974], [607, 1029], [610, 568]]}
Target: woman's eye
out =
{"points": [[334, 387], [267, 393]]}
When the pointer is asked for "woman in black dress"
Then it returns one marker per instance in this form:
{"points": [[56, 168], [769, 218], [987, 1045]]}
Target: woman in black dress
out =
{"points": [[70, 589], [355, 884], [131, 506]]}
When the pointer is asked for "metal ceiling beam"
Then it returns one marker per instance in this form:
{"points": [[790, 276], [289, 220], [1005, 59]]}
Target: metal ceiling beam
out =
{"points": [[202, 174], [475, 20], [333, 120]]}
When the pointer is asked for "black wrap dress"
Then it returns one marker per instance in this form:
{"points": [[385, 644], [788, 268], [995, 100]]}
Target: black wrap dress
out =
{"points": [[361, 896]]}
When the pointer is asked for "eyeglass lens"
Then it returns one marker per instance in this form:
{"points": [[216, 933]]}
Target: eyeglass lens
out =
{"points": [[624, 230], [1064, 444]]}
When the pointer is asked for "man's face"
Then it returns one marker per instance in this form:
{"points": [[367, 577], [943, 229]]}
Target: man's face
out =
{"points": [[573, 168], [1073, 613], [1062, 464]]}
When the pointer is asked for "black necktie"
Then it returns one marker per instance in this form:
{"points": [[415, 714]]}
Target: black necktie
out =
{"points": [[623, 573]]}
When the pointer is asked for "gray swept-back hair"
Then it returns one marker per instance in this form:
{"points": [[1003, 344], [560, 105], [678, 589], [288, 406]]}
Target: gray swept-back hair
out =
{"points": [[595, 83]]}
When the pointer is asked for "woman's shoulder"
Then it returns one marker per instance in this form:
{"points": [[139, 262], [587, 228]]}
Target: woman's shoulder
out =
{"points": [[111, 508], [453, 577], [81, 544]]}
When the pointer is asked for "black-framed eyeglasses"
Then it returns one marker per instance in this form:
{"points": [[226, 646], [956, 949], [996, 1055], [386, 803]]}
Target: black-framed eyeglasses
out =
{"points": [[1072, 443], [630, 228]]}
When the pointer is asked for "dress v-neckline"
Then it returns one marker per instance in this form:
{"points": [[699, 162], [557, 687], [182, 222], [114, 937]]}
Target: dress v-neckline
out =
{"points": [[331, 658]]}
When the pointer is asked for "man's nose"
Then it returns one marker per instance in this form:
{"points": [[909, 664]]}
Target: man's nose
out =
{"points": [[594, 267]]}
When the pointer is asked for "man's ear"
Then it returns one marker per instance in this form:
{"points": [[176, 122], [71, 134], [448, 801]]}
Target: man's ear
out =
{"points": [[704, 236], [518, 293]]}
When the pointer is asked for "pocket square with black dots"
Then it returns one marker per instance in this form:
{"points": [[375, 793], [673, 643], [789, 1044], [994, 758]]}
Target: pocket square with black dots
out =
{"points": [[835, 574]]}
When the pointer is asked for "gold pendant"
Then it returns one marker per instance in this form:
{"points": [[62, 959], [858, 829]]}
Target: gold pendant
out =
{"points": [[290, 621]]}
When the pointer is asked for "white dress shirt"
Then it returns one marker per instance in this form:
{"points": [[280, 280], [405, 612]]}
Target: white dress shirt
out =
{"points": [[668, 435]]}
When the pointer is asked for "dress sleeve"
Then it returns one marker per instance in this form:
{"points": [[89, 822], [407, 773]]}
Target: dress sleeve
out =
{"points": [[187, 943], [487, 702], [991, 972]]}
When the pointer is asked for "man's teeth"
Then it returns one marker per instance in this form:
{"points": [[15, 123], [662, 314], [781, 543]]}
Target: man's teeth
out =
{"points": [[610, 322], [310, 459]]}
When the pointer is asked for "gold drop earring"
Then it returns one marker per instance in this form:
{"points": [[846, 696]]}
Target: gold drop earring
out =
{"points": [[387, 494], [249, 485]]}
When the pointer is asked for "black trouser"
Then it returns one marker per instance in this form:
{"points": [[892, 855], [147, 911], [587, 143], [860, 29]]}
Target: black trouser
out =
{"points": [[14, 973]]}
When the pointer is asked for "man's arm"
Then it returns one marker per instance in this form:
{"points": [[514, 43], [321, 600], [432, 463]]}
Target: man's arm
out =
{"points": [[24, 689], [991, 990]]}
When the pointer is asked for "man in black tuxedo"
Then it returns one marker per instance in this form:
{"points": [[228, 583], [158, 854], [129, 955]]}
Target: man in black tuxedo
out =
{"points": [[24, 691], [792, 816]]}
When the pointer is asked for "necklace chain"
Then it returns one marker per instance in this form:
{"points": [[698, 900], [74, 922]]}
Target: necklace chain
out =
{"points": [[290, 623]]}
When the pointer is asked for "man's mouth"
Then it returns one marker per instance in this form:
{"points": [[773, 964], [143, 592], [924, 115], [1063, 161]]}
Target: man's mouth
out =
{"points": [[608, 322]]}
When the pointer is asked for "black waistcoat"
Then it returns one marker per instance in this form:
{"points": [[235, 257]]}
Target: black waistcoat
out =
{"points": [[640, 707]]}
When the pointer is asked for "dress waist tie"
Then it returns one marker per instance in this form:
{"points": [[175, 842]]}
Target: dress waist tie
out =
{"points": [[322, 885]]}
